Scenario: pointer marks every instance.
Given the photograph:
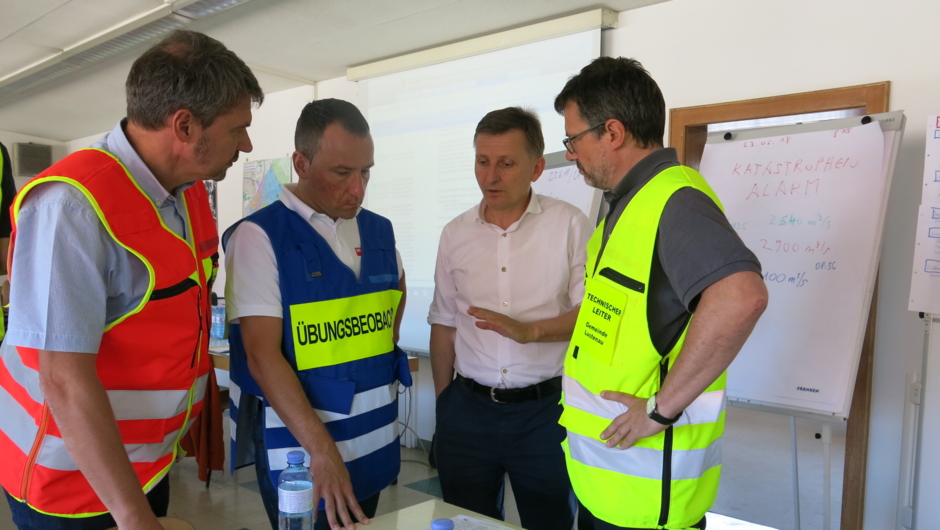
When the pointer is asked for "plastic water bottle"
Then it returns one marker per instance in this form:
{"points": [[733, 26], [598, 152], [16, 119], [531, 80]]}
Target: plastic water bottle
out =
{"points": [[442, 524], [218, 322], [295, 495]]}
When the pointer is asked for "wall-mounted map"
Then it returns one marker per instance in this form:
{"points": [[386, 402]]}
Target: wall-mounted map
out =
{"points": [[261, 182]]}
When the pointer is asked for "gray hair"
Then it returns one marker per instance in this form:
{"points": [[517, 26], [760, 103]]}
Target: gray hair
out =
{"points": [[621, 89], [192, 71]]}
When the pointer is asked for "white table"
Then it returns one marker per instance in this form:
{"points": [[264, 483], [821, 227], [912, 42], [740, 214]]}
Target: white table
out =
{"points": [[419, 517]]}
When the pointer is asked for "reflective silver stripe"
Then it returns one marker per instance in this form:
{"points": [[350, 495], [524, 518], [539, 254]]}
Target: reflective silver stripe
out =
{"points": [[22, 374], [154, 404], [147, 404], [363, 402], [234, 393], [349, 449], [127, 404], [643, 462], [706, 408], [693, 463], [272, 420], [636, 461], [201, 383], [367, 443], [16, 423], [54, 455], [232, 428], [189, 424]]}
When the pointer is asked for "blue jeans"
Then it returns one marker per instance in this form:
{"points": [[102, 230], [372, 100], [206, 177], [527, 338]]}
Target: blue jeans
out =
{"points": [[26, 518], [478, 442], [268, 489]]}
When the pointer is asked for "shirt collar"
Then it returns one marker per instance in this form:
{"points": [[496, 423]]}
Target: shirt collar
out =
{"points": [[116, 143], [293, 203], [649, 166], [534, 207]]}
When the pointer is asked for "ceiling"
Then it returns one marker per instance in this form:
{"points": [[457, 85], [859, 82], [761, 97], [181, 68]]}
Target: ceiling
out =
{"points": [[284, 41]]}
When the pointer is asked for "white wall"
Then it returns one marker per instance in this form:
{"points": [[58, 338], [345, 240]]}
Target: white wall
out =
{"points": [[712, 51], [272, 136], [8, 138], [81, 143], [340, 88]]}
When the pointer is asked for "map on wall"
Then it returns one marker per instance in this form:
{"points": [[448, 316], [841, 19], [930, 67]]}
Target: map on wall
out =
{"points": [[261, 182]]}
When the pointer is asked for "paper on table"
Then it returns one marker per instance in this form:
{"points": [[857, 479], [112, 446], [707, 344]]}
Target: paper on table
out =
{"points": [[465, 522]]}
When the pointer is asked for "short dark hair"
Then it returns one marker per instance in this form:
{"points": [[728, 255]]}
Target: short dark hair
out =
{"points": [[320, 114], [512, 119], [621, 89], [187, 70]]}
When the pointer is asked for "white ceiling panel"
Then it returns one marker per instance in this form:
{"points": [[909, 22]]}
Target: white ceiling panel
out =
{"points": [[71, 108], [19, 14], [16, 55], [311, 40], [79, 19]]}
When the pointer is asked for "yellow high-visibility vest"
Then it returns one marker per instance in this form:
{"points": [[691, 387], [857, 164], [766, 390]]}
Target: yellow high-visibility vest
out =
{"points": [[668, 480]]}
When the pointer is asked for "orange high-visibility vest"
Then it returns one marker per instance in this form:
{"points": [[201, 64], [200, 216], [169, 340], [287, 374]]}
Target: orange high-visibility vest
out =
{"points": [[153, 361]]}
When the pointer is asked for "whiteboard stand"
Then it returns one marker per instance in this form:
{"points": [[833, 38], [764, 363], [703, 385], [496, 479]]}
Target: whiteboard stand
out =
{"points": [[796, 474], [827, 506], [827, 419]]}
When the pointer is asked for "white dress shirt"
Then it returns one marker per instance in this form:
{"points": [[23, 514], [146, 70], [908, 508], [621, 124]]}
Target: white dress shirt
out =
{"points": [[531, 271], [252, 286]]}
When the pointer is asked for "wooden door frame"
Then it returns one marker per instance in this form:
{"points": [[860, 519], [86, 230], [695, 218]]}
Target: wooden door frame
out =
{"points": [[687, 133]]}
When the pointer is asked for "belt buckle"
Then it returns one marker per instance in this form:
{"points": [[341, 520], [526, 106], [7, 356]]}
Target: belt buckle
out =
{"points": [[493, 395]]}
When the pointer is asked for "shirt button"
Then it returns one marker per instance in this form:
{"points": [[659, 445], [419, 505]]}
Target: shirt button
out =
{"points": [[504, 234], [504, 269], [505, 303], [505, 371]]}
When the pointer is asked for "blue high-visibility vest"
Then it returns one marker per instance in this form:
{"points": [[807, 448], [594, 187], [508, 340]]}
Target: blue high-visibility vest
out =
{"points": [[353, 384]]}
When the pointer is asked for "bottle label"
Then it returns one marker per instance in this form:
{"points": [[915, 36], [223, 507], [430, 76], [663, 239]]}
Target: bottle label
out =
{"points": [[294, 501]]}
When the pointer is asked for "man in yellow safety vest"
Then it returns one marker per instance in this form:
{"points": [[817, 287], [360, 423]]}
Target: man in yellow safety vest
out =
{"points": [[671, 294]]}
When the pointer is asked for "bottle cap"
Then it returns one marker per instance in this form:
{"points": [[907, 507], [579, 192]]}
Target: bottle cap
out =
{"points": [[296, 457], [442, 524]]}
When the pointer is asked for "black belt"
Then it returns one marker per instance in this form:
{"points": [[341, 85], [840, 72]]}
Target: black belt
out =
{"points": [[514, 395]]}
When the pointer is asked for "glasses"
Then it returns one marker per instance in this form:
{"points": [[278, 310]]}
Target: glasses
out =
{"points": [[567, 141]]}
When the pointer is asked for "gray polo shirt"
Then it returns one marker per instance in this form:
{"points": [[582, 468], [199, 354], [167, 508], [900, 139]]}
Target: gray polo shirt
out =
{"points": [[695, 247]]}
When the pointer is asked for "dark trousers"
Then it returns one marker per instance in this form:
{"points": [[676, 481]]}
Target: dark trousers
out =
{"points": [[587, 521], [478, 442], [268, 489], [26, 518]]}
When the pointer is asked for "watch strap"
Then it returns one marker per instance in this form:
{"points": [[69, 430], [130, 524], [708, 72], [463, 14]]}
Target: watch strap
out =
{"points": [[659, 418]]}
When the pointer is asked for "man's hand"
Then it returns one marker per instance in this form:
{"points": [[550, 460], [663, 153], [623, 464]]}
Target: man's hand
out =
{"points": [[505, 326], [443, 353], [632, 425], [83, 413], [262, 336], [331, 483]]}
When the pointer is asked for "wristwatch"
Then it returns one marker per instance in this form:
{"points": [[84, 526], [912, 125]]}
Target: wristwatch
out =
{"points": [[653, 413]]}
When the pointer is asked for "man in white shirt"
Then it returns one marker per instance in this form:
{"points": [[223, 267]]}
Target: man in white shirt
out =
{"points": [[315, 293], [508, 284]]}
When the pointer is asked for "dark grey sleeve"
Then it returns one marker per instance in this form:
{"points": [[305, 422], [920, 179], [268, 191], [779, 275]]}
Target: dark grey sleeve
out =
{"points": [[697, 246]]}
